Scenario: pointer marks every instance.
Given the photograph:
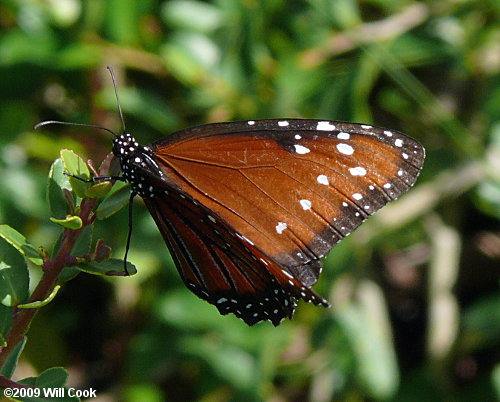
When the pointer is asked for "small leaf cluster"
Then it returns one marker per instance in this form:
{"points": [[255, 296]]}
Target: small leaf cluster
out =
{"points": [[76, 201]]}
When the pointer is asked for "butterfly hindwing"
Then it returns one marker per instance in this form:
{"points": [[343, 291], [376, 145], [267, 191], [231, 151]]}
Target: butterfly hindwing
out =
{"points": [[220, 266]]}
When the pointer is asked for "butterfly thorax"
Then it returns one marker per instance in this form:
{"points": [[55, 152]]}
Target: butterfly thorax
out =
{"points": [[137, 164]]}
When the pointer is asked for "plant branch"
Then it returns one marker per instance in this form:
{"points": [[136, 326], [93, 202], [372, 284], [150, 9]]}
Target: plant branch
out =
{"points": [[8, 383], [51, 270]]}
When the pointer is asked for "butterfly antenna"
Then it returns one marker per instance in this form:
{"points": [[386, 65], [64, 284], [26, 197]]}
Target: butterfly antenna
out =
{"points": [[110, 69], [65, 123]]}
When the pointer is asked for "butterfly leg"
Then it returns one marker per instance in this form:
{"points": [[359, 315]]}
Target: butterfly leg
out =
{"points": [[95, 179], [129, 235]]}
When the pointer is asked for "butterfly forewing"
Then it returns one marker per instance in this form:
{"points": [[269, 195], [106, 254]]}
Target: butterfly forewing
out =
{"points": [[294, 188]]}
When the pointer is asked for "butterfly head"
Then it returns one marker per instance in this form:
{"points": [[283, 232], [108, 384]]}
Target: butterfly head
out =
{"points": [[124, 145]]}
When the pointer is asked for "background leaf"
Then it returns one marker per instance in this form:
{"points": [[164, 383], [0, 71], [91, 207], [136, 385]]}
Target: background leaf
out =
{"points": [[111, 267], [14, 280], [19, 242], [11, 362], [116, 200], [57, 182]]}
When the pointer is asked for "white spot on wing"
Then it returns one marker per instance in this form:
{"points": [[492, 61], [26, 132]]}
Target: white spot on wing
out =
{"points": [[251, 122], [357, 196], [322, 179], [247, 240], [306, 204], [301, 149], [325, 126], [280, 227], [387, 185], [345, 149], [343, 136], [398, 142], [366, 126], [283, 123], [388, 133], [405, 156], [357, 171], [297, 137]]}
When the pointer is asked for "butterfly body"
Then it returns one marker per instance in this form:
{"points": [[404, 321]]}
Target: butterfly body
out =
{"points": [[248, 209]]}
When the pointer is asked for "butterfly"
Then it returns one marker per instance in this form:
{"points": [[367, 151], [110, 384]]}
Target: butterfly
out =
{"points": [[248, 209]]}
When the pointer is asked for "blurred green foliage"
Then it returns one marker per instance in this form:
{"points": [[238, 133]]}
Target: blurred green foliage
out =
{"points": [[414, 291]]}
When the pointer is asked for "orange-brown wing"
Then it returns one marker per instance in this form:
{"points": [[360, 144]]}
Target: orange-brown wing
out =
{"points": [[290, 188], [220, 266]]}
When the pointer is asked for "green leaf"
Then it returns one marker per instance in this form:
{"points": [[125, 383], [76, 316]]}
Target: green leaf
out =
{"points": [[111, 267], [375, 356], [192, 15], [57, 174], [99, 190], [12, 290], [41, 303], [84, 242], [143, 393], [75, 166], [481, 322], [79, 56], [144, 106], [495, 378], [116, 200], [122, 21], [232, 364], [68, 273], [17, 240], [54, 377], [70, 222], [11, 362], [55, 196], [190, 56], [57, 244], [5, 320], [14, 277], [179, 309]]}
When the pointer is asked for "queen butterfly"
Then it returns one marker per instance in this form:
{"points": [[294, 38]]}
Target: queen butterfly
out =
{"points": [[248, 209]]}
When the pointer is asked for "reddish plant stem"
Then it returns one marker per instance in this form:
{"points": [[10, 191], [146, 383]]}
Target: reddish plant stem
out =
{"points": [[51, 270], [8, 383]]}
